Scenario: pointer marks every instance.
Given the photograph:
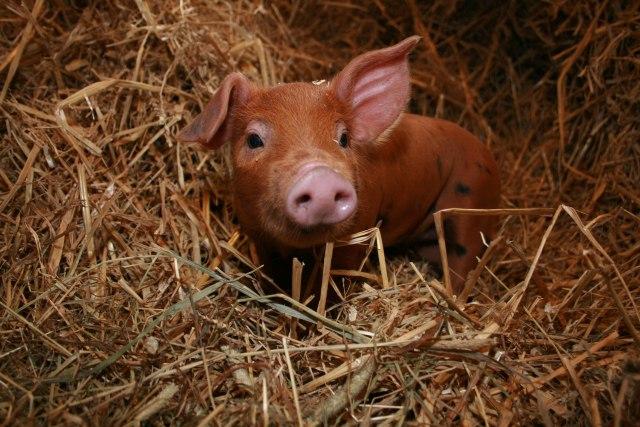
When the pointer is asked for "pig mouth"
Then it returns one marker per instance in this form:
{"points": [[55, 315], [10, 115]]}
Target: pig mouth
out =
{"points": [[308, 236]]}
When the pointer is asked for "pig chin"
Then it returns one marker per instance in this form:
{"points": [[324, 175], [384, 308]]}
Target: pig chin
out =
{"points": [[302, 236]]}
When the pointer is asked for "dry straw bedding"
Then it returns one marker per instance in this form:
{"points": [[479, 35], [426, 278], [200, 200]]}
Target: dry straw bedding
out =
{"points": [[129, 294]]}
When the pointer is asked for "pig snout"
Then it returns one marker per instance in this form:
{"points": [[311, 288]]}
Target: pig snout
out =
{"points": [[320, 196]]}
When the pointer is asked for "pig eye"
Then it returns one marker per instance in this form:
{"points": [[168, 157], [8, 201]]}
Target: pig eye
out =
{"points": [[254, 141], [344, 140]]}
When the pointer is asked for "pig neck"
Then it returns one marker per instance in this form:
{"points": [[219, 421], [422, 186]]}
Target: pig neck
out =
{"points": [[402, 176]]}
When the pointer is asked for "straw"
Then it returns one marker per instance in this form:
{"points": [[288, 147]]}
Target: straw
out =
{"points": [[130, 295]]}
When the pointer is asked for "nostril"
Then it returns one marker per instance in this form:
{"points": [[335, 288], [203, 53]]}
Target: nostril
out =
{"points": [[302, 199], [340, 195]]}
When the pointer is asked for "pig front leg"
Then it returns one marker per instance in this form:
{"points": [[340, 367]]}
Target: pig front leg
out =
{"points": [[348, 257], [277, 264], [274, 265], [343, 258]]}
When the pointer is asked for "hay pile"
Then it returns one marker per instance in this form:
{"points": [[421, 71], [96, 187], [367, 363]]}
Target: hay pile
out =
{"points": [[110, 231]]}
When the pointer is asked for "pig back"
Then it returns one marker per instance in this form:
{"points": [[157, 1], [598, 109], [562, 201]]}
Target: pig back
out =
{"points": [[404, 176]]}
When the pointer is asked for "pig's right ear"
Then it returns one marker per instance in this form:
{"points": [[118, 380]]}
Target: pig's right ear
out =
{"points": [[212, 127]]}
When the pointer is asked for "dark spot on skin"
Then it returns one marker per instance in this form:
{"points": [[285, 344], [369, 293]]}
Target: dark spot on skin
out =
{"points": [[458, 249], [439, 164], [483, 168], [462, 188]]}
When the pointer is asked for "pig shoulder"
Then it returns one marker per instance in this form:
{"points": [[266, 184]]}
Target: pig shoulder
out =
{"points": [[473, 177], [458, 149]]}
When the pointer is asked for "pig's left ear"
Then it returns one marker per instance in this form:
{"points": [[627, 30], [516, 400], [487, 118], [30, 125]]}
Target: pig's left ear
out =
{"points": [[376, 86]]}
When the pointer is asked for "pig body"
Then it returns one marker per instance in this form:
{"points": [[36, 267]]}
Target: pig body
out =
{"points": [[316, 162]]}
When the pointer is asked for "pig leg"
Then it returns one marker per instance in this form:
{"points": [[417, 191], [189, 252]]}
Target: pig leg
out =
{"points": [[463, 232], [344, 258], [274, 265], [277, 265], [348, 257], [465, 245]]}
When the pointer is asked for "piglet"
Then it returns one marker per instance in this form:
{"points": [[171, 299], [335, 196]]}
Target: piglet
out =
{"points": [[314, 162]]}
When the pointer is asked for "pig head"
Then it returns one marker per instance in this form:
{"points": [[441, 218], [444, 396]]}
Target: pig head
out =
{"points": [[296, 147]]}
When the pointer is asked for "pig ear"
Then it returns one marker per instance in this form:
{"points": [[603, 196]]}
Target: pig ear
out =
{"points": [[376, 86], [212, 127]]}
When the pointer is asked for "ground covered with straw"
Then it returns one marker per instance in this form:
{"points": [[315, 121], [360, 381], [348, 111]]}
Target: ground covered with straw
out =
{"points": [[130, 295]]}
